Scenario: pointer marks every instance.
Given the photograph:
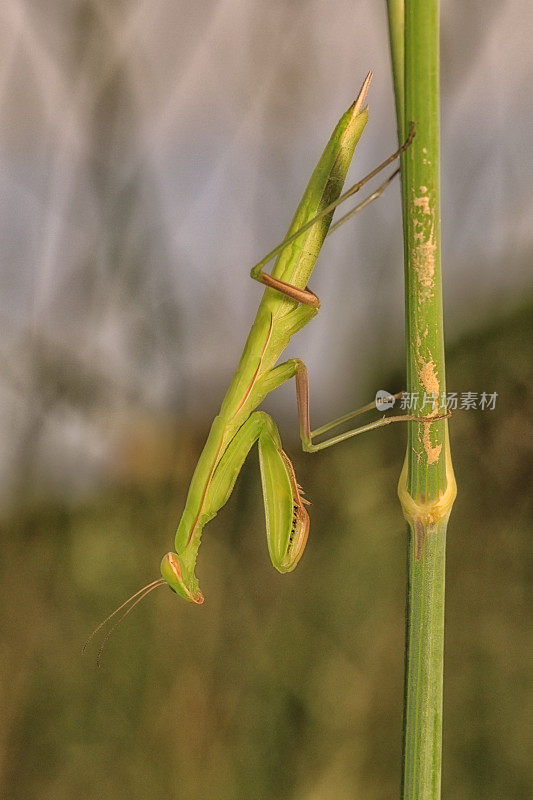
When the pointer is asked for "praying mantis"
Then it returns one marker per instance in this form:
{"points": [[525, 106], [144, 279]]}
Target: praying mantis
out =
{"points": [[286, 307]]}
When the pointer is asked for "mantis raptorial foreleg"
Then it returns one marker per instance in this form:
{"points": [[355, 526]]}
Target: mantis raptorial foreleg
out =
{"points": [[287, 521]]}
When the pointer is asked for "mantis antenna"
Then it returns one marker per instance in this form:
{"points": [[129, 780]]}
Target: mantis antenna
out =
{"points": [[143, 593]]}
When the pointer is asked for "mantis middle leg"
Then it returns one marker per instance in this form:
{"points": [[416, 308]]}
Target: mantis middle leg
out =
{"points": [[307, 435], [297, 369]]}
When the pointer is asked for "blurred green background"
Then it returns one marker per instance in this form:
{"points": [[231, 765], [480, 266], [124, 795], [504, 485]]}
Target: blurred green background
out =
{"points": [[150, 153], [278, 686]]}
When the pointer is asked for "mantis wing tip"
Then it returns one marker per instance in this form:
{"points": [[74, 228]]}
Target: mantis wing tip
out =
{"points": [[361, 97]]}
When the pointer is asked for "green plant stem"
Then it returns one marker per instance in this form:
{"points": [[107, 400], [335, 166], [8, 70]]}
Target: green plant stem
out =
{"points": [[396, 12], [427, 484]]}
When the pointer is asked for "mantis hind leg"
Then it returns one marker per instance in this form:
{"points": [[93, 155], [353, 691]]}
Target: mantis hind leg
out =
{"points": [[306, 296]]}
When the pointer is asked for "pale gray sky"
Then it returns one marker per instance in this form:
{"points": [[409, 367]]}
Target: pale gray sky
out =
{"points": [[152, 151]]}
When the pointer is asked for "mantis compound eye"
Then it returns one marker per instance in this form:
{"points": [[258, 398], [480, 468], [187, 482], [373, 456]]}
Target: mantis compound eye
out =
{"points": [[171, 572]]}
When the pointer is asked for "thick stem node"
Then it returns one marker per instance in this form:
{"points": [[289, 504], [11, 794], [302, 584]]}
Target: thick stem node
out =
{"points": [[423, 511]]}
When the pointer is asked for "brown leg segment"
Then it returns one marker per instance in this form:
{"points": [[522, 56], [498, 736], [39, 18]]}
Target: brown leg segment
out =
{"points": [[306, 434], [305, 296]]}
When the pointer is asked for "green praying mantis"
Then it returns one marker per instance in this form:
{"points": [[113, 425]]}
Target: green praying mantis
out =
{"points": [[286, 307]]}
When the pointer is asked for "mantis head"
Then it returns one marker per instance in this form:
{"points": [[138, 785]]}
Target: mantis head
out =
{"points": [[171, 572]]}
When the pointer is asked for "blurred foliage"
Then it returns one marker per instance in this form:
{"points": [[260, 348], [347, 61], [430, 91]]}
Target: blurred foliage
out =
{"points": [[279, 686]]}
